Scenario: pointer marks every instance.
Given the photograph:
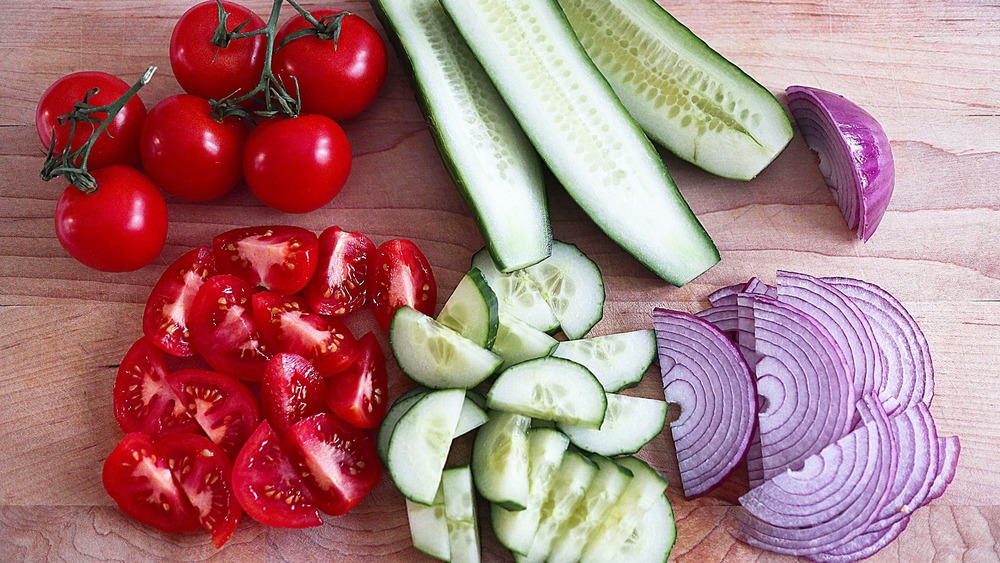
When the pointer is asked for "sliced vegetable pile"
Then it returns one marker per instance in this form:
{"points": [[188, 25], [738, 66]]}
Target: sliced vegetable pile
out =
{"points": [[546, 430], [270, 410], [834, 378]]}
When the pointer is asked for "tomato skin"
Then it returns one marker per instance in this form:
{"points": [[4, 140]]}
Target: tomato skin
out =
{"points": [[297, 164], [287, 325], [189, 154], [119, 144], [204, 70], [165, 319], [225, 409], [264, 478], [338, 81], [290, 391], [359, 395], [280, 259], [223, 330], [400, 275], [144, 401], [338, 287], [121, 227]]}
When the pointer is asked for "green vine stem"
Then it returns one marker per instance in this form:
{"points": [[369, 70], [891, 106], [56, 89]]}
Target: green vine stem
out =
{"points": [[72, 164]]}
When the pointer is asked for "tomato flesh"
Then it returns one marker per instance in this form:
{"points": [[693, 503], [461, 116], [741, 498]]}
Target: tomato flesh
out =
{"points": [[400, 275], [225, 409], [359, 394], [287, 325], [223, 329], [290, 391], [165, 320], [143, 399], [279, 259], [338, 286]]}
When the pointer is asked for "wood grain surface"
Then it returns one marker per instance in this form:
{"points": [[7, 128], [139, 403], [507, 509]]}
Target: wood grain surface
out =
{"points": [[929, 70]]}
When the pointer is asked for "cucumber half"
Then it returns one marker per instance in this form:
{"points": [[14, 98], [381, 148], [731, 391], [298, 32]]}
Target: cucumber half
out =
{"points": [[460, 513], [429, 527], [654, 536], [572, 285], [550, 389], [517, 341], [685, 95], [471, 310], [517, 293], [500, 460], [472, 416], [569, 486], [616, 360], [629, 424]]}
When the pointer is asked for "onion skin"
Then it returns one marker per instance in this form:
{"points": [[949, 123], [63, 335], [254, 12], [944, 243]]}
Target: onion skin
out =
{"points": [[854, 153]]}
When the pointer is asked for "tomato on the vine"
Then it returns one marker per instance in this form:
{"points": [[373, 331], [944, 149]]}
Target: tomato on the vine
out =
{"points": [[120, 227], [297, 164], [212, 72], [400, 275], [190, 154], [338, 287], [165, 319], [119, 144], [359, 394], [338, 77]]}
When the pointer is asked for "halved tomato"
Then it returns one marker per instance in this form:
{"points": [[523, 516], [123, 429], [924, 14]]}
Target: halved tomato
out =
{"points": [[400, 275], [290, 391], [224, 408], [143, 400], [165, 320], [288, 325], [359, 395], [338, 286], [269, 487], [338, 461], [223, 330], [281, 259]]}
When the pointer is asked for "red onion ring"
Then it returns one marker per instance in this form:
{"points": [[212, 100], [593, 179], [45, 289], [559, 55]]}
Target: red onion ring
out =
{"points": [[949, 449]]}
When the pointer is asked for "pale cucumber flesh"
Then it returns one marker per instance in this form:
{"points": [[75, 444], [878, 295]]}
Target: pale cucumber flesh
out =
{"points": [[517, 341], [629, 424], [550, 389], [500, 460], [471, 310], [569, 486], [429, 527], [572, 285], [618, 360], [460, 514], [639, 496], [518, 295]]}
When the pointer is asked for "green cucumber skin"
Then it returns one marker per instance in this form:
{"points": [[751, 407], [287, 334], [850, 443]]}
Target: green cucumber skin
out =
{"points": [[679, 249], [511, 245]]}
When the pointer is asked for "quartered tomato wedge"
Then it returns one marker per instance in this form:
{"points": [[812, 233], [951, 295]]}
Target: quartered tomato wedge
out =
{"points": [[139, 480], [338, 286], [223, 329], [359, 394], [400, 275], [279, 259], [288, 325], [338, 461], [224, 408], [290, 391], [269, 487], [143, 400], [165, 320], [204, 474]]}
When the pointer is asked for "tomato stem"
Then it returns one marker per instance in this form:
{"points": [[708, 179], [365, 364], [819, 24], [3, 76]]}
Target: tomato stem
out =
{"points": [[72, 164]]}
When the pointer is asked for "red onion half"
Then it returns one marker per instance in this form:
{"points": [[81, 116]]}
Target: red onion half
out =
{"points": [[854, 154], [705, 374]]}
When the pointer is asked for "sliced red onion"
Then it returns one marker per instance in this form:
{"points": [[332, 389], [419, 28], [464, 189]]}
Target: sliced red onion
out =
{"points": [[726, 295], [755, 285], [808, 398], [854, 154], [949, 449], [705, 374], [832, 499], [863, 546]]}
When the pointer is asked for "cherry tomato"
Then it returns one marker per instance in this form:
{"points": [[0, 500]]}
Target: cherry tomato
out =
{"points": [[139, 480], [290, 391], [338, 286], [297, 164], [189, 154], [143, 400], [119, 144], [223, 330], [120, 227], [269, 487], [400, 275], [279, 259], [165, 320], [224, 408], [206, 70], [287, 325], [336, 78], [359, 395], [339, 462]]}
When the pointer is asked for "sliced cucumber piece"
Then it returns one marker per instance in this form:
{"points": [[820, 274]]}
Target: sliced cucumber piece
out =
{"points": [[392, 416], [629, 424], [565, 498], [516, 529], [471, 310], [550, 389], [617, 360], [429, 527], [420, 443], [582, 131], [685, 95], [603, 492], [517, 293], [473, 416], [653, 538], [436, 356], [643, 491], [500, 460], [486, 153], [460, 512], [517, 341], [572, 285]]}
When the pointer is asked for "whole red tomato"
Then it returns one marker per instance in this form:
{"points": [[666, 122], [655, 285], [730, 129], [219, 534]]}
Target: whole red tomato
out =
{"points": [[338, 79], [120, 227], [120, 142], [188, 153], [297, 164], [206, 70]]}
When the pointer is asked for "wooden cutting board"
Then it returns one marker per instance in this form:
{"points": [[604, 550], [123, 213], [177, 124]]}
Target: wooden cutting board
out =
{"points": [[929, 70]]}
